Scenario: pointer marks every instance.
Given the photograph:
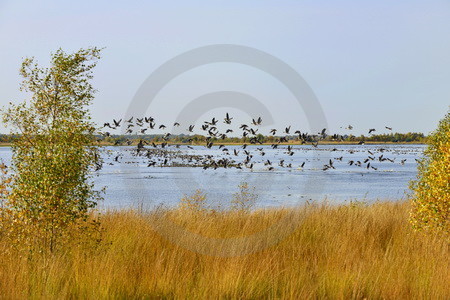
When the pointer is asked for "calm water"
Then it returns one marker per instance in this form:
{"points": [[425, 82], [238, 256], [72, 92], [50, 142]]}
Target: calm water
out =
{"points": [[131, 183]]}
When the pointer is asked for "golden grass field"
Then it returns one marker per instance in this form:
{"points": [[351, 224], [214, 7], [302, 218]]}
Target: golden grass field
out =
{"points": [[339, 252]]}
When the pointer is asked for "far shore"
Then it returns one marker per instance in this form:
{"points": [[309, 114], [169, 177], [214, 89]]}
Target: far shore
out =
{"points": [[263, 144]]}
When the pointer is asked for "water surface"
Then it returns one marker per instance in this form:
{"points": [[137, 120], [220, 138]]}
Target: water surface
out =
{"points": [[131, 183]]}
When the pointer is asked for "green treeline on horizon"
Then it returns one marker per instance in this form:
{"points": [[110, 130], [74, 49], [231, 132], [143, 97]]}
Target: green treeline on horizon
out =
{"points": [[410, 137]]}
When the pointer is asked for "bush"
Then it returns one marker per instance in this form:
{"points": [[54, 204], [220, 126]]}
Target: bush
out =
{"points": [[431, 191], [245, 198], [195, 203]]}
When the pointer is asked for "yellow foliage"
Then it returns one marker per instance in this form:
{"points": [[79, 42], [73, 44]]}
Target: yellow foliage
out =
{"points": [[431, 191]]}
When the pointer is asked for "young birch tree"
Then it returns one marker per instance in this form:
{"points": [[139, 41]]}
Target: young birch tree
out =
{"points": [[53, 158]]}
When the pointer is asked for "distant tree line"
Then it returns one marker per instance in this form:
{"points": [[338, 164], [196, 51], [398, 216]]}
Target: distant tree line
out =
{"points": [[391, 137], [410, 137], [7, 138]]}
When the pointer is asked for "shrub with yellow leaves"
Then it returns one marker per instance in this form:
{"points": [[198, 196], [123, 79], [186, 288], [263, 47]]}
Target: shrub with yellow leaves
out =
{"points": [[195, 203], [431, 191]]}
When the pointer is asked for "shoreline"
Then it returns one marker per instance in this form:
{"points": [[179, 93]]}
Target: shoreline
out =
{"points": [[263, 144]]}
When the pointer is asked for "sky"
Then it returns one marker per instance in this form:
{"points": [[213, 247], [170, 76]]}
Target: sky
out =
{"points": [[370, 64]]}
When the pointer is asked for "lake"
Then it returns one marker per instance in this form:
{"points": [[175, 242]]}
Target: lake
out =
{"points": [[130, 182]]}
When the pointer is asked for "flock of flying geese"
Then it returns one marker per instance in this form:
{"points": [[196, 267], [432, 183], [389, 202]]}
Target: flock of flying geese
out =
{"points": [[243, 156]]}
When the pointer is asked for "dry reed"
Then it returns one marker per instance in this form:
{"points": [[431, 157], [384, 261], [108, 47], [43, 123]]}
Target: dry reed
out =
{"points": [[352, 251]]}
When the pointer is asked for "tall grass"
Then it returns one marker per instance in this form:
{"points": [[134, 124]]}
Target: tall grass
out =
{"points": [[352, 251]]}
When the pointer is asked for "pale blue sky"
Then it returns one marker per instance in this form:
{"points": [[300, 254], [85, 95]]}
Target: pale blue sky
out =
{"points": [[370, 63]]}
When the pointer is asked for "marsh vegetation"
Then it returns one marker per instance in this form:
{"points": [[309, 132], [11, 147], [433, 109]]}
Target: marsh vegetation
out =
{"points": [[353, 251]]}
